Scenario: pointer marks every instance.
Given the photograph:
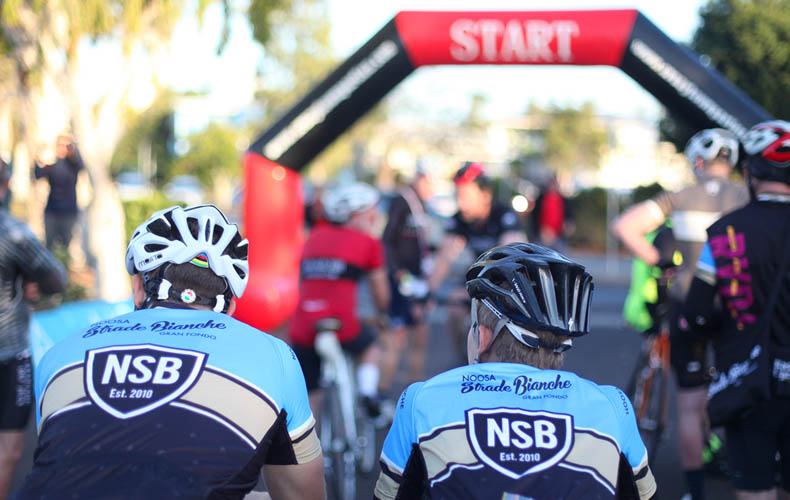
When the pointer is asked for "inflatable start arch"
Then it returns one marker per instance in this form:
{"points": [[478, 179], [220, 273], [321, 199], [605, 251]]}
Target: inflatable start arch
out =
{"points": [[625, 39]]}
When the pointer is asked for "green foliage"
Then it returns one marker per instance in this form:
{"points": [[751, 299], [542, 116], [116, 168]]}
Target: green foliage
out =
{"points": [[573, 138], [211, 151], [589, 215], [137, 211], [154, 126], [259, 13], [297, 50], [749, 42]]}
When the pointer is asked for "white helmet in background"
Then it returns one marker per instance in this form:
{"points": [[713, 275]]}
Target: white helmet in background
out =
{"points": [[709, 144], [341, 202], [201, 235]]}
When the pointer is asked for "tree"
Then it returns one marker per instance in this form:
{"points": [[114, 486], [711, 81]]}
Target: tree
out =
{"points": [[212, 152], [147, 144], [40, 41], [748, 41], [297, 50], [573, 138]]}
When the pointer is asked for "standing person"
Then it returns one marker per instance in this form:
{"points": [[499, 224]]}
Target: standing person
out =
{"points": [[711, 153], [61, 211], [176, 399], [739, 266], [26, 268], [551, 215], [511, 424], [479, 224], [336, 256], [406, 247]]}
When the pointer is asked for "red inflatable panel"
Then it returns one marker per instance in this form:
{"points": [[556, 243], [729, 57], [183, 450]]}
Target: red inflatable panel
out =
{"points": [[273, 218], [542, 37]]}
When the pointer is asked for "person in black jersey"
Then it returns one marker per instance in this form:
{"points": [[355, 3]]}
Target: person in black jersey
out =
{"points": [[61, 211], [408, 260], [26, 268], [480, 223], [739, 265]]}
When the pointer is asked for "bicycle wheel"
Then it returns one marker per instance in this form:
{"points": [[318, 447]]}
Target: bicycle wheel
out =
{"points": [[339, 460], [649, 401], [366, 442]]}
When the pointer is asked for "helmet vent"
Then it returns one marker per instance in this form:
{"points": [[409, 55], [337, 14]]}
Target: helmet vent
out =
{"points": [[240, 271], [194, 226], [154, 247], [217, 234], [160, 228]]}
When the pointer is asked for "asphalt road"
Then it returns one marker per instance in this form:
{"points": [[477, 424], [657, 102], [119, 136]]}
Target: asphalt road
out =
{"points": [[606, 356]]}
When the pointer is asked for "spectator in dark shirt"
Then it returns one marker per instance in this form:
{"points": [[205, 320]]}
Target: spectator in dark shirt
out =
{"points": [[61, 211], [407, 254]]}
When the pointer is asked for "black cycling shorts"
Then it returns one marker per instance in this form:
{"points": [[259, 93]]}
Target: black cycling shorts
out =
{"points": [[752, 444], [16, 392], [688, 353], [311, 362], [400, 311]]}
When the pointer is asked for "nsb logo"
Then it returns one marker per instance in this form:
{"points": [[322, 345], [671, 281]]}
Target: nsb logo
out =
{"points": [[126, 381], [518, 442]]}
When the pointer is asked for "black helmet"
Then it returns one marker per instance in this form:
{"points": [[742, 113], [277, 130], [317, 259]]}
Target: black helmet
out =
{"points": [[534, 287], [767, 147]]}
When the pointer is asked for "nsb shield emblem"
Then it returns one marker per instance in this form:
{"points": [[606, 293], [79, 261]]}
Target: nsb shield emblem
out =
{"points": [[129, 380], [518, 442]]}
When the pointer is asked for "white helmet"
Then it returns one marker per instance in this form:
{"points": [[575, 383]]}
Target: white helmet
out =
{"points": [[166, 237], [341, 202], [709, 144]]}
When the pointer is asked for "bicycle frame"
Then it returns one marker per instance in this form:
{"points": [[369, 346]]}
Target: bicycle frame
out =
{"points": [[338, 368]]}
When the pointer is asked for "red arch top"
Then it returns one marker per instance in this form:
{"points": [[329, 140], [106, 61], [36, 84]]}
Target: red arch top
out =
{"points": [[516, 37]]}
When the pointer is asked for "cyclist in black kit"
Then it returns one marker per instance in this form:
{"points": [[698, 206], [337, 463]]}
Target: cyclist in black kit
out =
{"points": [[408, 262], [26, 268], [711, 154], [739, 265], [480, 223]]}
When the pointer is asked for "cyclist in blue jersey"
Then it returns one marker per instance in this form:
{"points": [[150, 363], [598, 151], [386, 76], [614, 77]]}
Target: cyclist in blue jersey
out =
{"points": [[176, 399], [511, 424]]}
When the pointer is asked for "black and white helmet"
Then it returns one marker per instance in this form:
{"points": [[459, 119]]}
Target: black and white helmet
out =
{"points": [[199, 234], [343, 201], [530, 287], [709, 144], [767, 147]]}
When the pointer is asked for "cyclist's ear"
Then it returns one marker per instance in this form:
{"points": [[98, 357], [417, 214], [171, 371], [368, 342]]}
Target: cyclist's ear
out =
{"points": [[231, 307], [480, 342], [138, 291]]}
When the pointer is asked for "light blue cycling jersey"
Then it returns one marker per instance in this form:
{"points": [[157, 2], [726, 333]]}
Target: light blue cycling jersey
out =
{"points": [[505, 430], [192, 390]]}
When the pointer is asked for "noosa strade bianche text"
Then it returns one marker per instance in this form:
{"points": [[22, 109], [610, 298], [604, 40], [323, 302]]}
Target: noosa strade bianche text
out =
{"points": [[520, 386]]}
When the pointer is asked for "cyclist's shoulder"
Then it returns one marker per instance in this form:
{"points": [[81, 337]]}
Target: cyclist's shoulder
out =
{"points": [[14, 229], [749, 215], [618, 401]]}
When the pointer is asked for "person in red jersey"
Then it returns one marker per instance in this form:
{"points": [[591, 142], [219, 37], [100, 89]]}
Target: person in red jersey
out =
{"points": [[335, 258]]}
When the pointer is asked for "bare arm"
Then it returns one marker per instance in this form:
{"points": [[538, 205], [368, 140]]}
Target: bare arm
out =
{"points": [[304, 481], [451, 248], [632, 226], [380, 288]]}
